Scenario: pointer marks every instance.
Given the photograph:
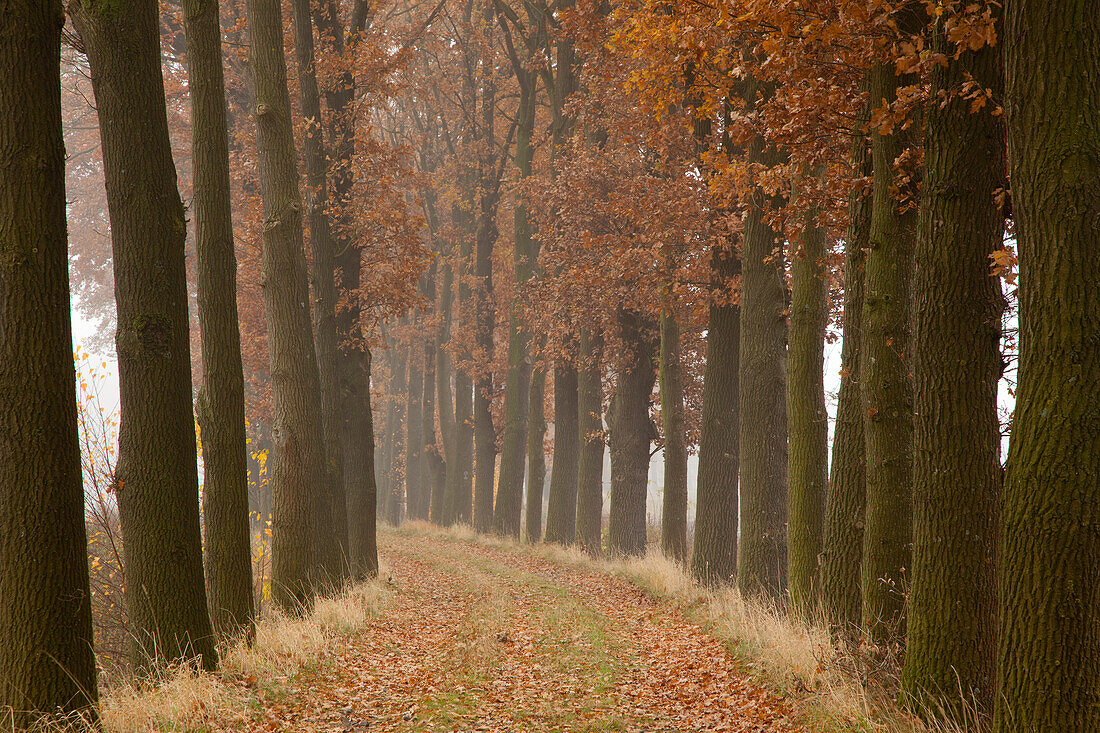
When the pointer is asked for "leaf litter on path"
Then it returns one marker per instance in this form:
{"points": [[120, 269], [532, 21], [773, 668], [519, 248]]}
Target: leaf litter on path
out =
{"points": [[483, 638]]}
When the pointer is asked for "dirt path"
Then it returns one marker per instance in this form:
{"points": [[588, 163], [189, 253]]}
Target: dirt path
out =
{"points": [[486, 639]]}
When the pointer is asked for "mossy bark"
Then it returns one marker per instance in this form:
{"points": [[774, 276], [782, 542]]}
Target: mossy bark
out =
{"points": [[842, 548], [46, 659], [950, 646], [156, 479], [808, 421], [1049, 645], [219, 409], [714, 553], [886, 385]]}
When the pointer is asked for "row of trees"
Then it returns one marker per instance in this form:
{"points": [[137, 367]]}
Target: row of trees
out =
{"points": [[537, 214], [159, 74], [692, 197]]}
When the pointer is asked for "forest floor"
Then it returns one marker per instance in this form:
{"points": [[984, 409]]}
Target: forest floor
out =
{"points": [[468, 634], [483, 638]]}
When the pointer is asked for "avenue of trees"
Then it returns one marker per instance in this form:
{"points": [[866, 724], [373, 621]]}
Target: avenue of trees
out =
{"points": [[437, 259]]}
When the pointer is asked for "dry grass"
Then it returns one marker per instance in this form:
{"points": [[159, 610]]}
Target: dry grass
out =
{"points": [[184, 699], [833, 689]]}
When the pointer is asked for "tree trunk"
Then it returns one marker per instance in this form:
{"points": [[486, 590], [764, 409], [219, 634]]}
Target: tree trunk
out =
{"points": [[334, 555], [808, 459], [156, 481], [220, 405], [591, 445], [414, 440], [432, 461], [714, 554], [438, 510], [1049, 658], [353, 359], [631, 434], [762, 560], [561, 511], [886, 385], [485, 452], [674, 504], [536, 441], [518, 384], [399, 386], [46, 659], [950, 648], [844, 501], [302, 513]]}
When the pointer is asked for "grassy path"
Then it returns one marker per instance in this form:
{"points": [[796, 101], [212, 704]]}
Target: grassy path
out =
{"points": [[480, 638]]}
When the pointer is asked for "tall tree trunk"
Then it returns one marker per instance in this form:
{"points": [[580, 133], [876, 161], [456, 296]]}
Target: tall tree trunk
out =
{"points": [[353, 358], [536, 441], [220, 404], [433, 463], [488, 193], [302, 515], [674, 502], [506, 512], [950, 647], [334, 555], [714, 554], [591, 444], [631, 434], [561, 510], [762, 560], [842, 548], [414, 437], [1049, 658], [46, 659], [399, 386], [438, 509], [808, 458], [886, 386], [156, 479]]}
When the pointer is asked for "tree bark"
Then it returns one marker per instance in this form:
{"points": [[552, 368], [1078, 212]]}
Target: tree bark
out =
{"points": [[414, 440], [46, 659], [485, 451], [302, 522], [561, 510], [714, 553], [1049, 648], [353, 358], [762, 560], [220, 404], [886, 385], [950, 647], [536, 440], [506, 512], [808, 457], [591, 444], [156, 480], [334, 554], [674, 501], [842, 548], [631, 434]]}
